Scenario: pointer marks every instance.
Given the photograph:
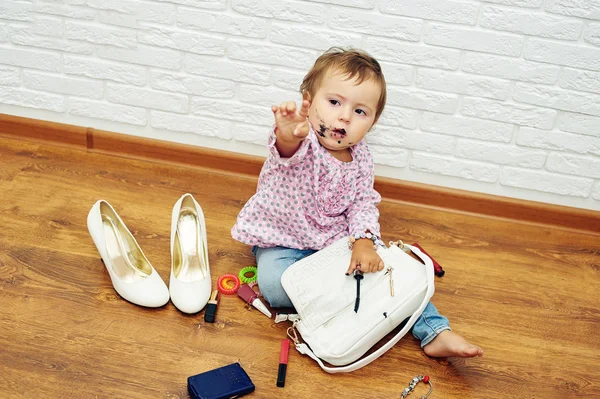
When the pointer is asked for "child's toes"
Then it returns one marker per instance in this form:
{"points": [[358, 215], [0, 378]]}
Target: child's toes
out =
{"points": [[472, 351]]}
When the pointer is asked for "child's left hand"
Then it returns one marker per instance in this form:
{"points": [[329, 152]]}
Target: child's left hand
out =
{"points": [[365, 258]]}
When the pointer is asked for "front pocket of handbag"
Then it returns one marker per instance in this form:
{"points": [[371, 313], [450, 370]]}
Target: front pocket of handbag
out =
{"points": [[325, 298], [355, 332], [346, 335]]}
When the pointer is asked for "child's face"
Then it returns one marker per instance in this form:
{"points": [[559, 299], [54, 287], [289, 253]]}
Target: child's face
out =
{"points": [[342, 111]]}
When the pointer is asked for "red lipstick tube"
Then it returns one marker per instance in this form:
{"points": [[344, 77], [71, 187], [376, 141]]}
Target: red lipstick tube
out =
{"points": [[437, 268], [283, 360]]}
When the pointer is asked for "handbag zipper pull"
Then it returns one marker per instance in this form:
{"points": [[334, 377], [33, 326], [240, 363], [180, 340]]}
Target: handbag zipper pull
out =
{"points": [[390, 270], [358, 275]]}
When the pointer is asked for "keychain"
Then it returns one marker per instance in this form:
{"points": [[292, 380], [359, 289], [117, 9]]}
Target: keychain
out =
{"points": [[413, 384]]}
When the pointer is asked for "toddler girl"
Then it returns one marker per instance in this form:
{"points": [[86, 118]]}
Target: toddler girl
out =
{"points": [[316, 186]]}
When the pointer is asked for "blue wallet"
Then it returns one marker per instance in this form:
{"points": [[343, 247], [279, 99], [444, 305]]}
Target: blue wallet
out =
{"points": [[225, 382]]}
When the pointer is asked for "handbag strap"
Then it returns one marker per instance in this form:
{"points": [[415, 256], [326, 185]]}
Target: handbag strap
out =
{"points": [[305, 350]]}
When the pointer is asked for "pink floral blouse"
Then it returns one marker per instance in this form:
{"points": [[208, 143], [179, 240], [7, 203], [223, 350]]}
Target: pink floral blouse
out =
{"points": [[311, 199]]}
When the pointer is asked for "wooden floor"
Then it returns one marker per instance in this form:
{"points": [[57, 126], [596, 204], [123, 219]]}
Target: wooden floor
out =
{"points": [[529, 295]]}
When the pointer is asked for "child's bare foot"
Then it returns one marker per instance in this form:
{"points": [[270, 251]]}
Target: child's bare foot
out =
{"points": [[450, 344]]}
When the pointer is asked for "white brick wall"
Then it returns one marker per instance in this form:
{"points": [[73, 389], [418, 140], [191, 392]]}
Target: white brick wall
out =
{"points": [[494, 96]]}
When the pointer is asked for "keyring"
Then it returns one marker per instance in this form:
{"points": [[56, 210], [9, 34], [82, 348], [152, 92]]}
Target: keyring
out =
{"points": [[413, 383], [244, 271], [228, 284]]}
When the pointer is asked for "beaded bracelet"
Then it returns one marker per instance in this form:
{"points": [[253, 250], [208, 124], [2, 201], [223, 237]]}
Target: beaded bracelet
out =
{"points": [[357, 236]]}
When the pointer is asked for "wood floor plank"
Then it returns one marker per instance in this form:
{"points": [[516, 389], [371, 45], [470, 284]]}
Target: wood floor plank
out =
{"points": [[14, 155], [529, 295]]}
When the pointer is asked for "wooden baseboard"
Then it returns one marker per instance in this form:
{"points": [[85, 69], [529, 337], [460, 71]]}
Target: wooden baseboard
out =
{"points": [[94, 140]]}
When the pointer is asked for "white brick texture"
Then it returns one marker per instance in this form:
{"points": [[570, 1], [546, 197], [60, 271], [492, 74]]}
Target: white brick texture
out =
{"points": [[547, 182], [411, 139], [198, 85], [285, 10], [543, 118], [147, 98], [463, 84], [493, 96], [412, 54], [3, 33], [501, 154], [510, 68], [585, 103], [574, 165], [390, 156], [10, 76], [113, 36], [15, 11], [319, 39], [531, 23], [25, 37], [580, 80], [470, 39], [578, 123], [425, 100], [373, 24], [458, 12], [592, 33], [191, 124], [456, 125], [567, 54], [266, 96], [596, 192], [559, 141], [253, 134], [64, 85], [578, 8], [32, 99], [396, 116], [518, 3], [222, 23], [105, 70], [106, 111], [430, 163], [182, 40]]}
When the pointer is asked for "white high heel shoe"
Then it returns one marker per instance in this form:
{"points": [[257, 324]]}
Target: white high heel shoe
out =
{"points": [[190, 282], [132, 275]]}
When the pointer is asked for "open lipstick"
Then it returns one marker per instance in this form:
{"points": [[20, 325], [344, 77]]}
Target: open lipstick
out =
{"points": [[251, 298]]}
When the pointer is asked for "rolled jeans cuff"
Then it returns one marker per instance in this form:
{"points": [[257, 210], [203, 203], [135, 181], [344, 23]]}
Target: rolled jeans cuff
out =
{"points": [[434, 334]]}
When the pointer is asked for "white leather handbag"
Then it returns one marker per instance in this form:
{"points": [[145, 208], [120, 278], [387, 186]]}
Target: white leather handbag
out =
{"points": [[324, 298]]}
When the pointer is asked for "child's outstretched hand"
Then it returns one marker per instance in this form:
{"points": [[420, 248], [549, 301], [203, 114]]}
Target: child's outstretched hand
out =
{"points": [[292, 125], [364, 258]]}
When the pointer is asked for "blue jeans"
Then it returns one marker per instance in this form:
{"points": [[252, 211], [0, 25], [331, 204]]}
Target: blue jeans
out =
{"points": [[272, 262]]}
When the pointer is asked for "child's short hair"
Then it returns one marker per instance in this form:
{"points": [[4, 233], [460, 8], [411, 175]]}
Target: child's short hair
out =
{"points": [[351, 62]]}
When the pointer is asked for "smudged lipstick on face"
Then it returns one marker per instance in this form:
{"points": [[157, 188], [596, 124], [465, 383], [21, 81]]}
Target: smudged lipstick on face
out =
{"points": [[322, 130], [338, 133]]}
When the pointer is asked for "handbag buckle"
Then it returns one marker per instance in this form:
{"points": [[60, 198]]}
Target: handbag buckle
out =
{"points": [[292, 333], [398, 243]]}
